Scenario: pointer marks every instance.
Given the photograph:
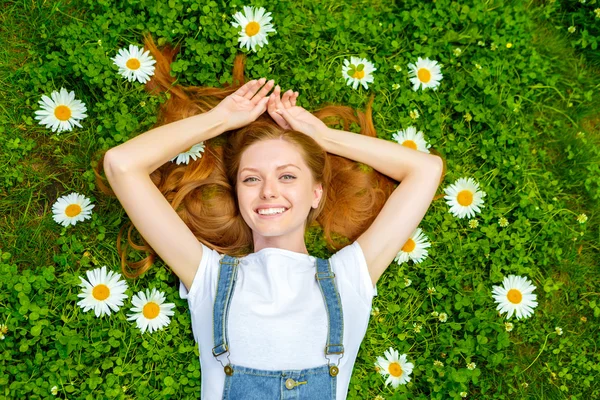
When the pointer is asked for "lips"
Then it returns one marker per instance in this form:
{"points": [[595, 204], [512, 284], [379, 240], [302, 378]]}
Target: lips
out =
{"points": [[285, 209], [270, 206]]}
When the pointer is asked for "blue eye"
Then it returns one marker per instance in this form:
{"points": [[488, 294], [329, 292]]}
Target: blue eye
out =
{"points": [[286, 175]]}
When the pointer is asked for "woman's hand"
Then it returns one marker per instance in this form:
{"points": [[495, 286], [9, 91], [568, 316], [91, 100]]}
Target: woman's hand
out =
{"points": [[245, 104], [290, 116]]}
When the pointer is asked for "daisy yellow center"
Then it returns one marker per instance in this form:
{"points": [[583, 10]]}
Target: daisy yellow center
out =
{"points": [[465, 197], [63, 113], [252, 28], [410, 144], [359, 74], [151, 310], [395, 369], [424, 75], [514, 296], [73, 210], [133, 63], [101, 292], [409, 246]]}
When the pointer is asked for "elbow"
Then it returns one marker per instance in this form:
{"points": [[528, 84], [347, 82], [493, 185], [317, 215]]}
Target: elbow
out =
{"points": [[111, 164], [439, 168]]}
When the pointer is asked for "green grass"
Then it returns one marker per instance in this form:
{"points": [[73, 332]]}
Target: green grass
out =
{"points": [[529, 158]]}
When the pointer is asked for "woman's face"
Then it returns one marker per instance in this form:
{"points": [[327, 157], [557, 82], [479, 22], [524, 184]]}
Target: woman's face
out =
{"points": [[273, 177]]}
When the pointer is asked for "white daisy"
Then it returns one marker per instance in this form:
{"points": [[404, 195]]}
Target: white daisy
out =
{"points": [[255, 24], [414, 248], [358, 70], [194, 152], [71, 209], [464, 197], [135, 63], [396, 367], [412, 139], [103, 292], [515, 297], [425, 73], [61, 112], [150, 312], [443, 317]]}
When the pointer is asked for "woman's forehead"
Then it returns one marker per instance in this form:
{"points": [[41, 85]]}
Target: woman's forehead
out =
{"points": [[271, 154]]}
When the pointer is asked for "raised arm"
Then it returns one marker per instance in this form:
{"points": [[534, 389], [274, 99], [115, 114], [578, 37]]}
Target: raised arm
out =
{"points": [[419, 175], [129, 165]]}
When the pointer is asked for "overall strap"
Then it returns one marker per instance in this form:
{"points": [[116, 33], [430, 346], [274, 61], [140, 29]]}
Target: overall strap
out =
{"points": [[228, 268], [333, 304]]}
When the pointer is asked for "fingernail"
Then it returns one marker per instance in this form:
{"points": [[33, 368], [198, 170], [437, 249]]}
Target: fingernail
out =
{"points": [[277, 87]]}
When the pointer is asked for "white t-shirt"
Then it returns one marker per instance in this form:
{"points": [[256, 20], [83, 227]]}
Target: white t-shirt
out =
{"points": [[277, 316]]}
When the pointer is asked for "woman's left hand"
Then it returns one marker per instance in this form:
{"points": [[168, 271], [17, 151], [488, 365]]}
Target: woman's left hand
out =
{"points": [[245, 105], [290, 116]]}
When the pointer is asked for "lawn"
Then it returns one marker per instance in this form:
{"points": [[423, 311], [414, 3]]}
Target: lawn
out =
{"points": [[516, 111]]}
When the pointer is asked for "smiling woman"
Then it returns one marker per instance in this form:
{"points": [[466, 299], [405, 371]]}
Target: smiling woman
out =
{"points": [[249, 201], [203, 192]]}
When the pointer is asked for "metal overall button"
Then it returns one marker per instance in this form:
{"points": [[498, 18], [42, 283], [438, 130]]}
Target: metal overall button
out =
{"points": [[290, 383]]}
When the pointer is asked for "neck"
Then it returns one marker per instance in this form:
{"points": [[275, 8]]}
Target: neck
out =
{"points": [[295, 244]]}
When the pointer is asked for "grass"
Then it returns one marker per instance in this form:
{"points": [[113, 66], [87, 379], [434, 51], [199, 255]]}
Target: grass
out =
{"points": [[559, 111]]}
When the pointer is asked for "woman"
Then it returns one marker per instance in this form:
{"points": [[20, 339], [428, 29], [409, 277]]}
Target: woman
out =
{"points": [[269, 318]]}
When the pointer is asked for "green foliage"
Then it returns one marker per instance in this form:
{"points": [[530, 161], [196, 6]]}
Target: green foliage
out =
{"points": [[507, 113], [579, 22]]}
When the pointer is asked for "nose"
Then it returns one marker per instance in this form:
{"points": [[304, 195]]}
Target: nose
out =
{"points": [[269, 189]]}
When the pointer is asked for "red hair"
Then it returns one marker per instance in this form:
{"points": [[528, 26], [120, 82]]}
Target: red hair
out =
{"points": [[203, 192]]}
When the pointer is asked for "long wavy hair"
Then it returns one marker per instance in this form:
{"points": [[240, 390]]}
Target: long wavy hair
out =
{"points": [[203, 192]]}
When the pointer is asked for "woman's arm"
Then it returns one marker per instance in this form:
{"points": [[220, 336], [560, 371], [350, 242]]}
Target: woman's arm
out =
{"points": [[418, 173], [152, 149], [148, 151], [389, 158]]}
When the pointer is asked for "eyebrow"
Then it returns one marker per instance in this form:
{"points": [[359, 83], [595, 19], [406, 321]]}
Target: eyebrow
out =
{"points": [[278, 168]]}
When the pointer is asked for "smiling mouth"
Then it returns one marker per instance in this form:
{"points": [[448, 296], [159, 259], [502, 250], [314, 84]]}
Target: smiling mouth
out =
{"points": [[273, 211]]}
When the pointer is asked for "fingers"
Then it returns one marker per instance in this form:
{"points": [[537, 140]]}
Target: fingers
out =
{"points": [[260, 107], [285, 99], [263, 92], [286, 116], [249, 88], [272, 106], [293, 99]]}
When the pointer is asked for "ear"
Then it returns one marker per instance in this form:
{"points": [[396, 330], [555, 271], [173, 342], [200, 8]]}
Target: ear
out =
{"points": [[318, 193]]}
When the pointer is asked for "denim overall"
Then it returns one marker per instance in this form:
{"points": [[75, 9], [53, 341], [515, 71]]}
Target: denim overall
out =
{"points": [[318, 383]]}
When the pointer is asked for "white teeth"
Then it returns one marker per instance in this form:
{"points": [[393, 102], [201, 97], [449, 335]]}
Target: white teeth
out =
{"points": [[270, 211]]}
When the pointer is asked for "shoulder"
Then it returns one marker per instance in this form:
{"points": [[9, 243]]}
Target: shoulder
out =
{"points": [[350, 264]]}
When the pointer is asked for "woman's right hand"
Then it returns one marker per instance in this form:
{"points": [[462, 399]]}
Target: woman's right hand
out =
{"points": [[245, 105]]}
